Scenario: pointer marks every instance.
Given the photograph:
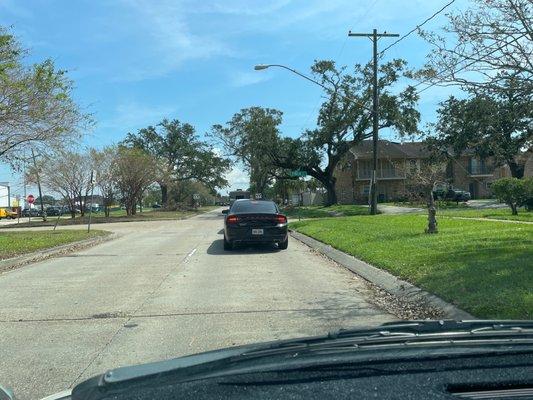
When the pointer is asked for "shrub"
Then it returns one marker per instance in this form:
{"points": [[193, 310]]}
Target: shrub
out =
{"points": [[514, 192]]}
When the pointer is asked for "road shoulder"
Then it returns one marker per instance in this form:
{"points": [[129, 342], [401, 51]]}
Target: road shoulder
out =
{"points": [[405, 291]]}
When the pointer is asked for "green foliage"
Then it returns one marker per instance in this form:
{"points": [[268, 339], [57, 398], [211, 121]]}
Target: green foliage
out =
{"points": [[250, 136], [344, 119], [179, 155], [483, 267], [513, 191], [36, 105], [491, 125]]}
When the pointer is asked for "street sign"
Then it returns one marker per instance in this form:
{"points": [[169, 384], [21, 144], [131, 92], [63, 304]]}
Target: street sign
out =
{"points": [[258, 196], [196, 196], [30, 199], [297, 173]]}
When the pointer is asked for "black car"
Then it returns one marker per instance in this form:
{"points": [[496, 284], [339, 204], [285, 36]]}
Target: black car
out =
{"points": [[255, 221], [451, 194], [31, 212], [54, 211]]}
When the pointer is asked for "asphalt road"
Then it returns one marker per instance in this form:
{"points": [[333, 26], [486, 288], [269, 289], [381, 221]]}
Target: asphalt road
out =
{"points": [[164, 289]]}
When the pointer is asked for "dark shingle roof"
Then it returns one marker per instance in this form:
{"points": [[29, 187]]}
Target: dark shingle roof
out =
{"points": [[390, 149]]}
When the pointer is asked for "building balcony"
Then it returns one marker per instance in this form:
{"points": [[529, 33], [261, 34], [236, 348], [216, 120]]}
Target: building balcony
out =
{"points": [[480, 171], [381, 175]]}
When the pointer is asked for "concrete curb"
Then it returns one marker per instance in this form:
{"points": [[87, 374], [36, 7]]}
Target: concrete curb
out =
{"points": [[19, 261], [388, 282]]}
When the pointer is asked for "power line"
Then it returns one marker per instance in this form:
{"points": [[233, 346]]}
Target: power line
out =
{"points": [[417, 27]]}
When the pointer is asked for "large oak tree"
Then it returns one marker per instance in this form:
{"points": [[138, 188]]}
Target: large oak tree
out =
{"points": [[179, 155], [344, 119]]}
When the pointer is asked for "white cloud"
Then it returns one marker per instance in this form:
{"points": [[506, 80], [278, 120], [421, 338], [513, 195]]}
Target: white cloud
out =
{"points": [[132, 115], [237, 178], [170, 39], [240, 79]]}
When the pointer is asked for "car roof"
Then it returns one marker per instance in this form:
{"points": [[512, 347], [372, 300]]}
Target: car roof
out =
{"points": [[254, 200]]}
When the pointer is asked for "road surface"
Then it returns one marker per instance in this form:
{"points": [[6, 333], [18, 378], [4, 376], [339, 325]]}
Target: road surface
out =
{"points": [[164, 289]]}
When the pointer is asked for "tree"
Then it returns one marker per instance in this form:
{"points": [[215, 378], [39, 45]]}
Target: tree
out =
{"points": [[180, 155], [134, 170], [68, 173], [513, 192], [420, 182], [102, 162], [498, 126], [249, 137], [344, 120], [47, 199], [36, 105], [493, 44]]}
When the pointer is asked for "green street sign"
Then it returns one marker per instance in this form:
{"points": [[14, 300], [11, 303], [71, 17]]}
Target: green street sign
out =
{"points": [[298, 173]]}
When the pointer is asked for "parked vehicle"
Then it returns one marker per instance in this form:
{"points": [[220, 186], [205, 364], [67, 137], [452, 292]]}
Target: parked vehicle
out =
{"points": [[449, 193], [155, 205], [31, 212], [7, 213], [255, 221], [54, 211]]}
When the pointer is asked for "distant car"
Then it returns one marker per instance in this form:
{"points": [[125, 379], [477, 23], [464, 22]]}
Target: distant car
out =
{"points": [[54, 211], [451, 194], [254, 221], [31, 212], [155, 205]]}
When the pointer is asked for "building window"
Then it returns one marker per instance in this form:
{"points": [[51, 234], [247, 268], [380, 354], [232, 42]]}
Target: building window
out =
{"points": [[366, 190], [364, 169]]}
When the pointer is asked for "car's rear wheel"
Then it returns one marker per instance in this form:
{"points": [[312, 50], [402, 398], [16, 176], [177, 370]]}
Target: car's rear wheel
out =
{"points": [[227, 245], [283, 245]]}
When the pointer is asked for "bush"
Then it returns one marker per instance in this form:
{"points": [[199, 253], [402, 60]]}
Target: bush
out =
{"points": [[514, 192]]}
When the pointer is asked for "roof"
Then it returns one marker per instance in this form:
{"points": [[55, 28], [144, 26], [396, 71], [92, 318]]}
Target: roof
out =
{"points": [[388, 149]]}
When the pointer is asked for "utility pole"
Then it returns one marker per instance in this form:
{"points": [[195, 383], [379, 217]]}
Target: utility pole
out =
{"points": [[38, 185], [374, 36]]}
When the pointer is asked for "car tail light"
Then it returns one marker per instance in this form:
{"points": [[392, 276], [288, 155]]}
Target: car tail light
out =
{"points": [[281, 219], [232, 219]]}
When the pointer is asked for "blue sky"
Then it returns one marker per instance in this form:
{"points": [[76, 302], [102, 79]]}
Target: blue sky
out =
{"points": [[135, 62]]}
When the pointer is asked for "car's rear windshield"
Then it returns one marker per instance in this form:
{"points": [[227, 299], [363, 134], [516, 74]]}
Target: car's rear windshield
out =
{"points": [[254, 206]]}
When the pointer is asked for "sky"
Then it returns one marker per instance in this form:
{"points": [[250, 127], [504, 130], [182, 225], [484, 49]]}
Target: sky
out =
{"points": [[135, 62]]}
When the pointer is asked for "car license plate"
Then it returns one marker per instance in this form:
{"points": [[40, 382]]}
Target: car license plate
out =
{"points": [[257, 231]]}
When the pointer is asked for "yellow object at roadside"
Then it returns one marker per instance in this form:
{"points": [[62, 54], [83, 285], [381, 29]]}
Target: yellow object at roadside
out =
{"points": [[6, 213]]}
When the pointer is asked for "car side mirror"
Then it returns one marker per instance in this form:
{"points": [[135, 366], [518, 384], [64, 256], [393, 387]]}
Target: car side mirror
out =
{"points": [[225, 211]]}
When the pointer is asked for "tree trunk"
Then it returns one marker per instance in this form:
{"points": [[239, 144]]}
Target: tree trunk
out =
{"points": [[80, 201], [432, 212], [106, 210], [514, 208], [517, 170], [164, 195], [331, 194]]}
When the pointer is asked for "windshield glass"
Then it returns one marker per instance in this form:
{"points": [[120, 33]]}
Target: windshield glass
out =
{"points": [[254, 207], [181, 176]]}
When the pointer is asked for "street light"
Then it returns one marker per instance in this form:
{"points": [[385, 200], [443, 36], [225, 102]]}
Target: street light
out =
{"points": [[260, 67]]}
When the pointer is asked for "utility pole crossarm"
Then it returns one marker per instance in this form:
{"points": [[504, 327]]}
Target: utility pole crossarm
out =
{"points": [[370, 35]]}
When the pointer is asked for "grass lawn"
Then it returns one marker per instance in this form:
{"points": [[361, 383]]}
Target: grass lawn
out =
{"points": [[16, 243], [486, 268], [324, 212], [491, 213], [114, 216]]}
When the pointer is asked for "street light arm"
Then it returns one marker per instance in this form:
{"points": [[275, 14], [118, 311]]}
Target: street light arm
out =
{"points": [[328, 89]]}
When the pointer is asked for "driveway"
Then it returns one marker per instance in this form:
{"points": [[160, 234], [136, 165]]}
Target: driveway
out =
{"points": [[164, 289]]}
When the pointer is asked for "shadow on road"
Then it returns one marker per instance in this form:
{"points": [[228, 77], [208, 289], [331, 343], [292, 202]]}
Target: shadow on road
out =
{"points": [[217, 248]]}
